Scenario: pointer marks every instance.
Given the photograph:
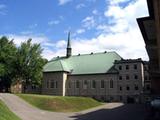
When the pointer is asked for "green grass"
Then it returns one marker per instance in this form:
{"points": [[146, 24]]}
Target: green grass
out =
{"points": [[6, 114], [59, 103]]}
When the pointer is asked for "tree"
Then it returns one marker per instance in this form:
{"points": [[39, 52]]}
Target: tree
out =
{"points": [[7, 58], [29, 63]]}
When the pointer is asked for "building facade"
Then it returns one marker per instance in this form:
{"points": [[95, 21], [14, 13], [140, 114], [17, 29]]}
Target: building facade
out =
{"points": [[104, 76], [150, 29]]}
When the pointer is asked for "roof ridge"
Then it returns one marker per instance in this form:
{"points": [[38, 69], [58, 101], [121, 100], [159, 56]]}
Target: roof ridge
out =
{"points": [[78, 55], [92, 53]]}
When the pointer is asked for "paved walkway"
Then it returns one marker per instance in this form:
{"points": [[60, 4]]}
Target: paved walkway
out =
{"points": [[27, 112]]}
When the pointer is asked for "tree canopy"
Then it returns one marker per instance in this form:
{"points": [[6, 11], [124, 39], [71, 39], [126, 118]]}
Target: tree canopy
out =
{"points": [[7, 58], [23, 63]]}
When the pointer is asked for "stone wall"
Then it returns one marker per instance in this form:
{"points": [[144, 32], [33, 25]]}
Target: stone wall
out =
{"points": [[86, 87], [52, 83]]}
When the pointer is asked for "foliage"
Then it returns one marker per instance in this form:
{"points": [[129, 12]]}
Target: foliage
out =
{"points": [[6, 114], [23, 63], [29, 63], [7, 58], [59, 103]]}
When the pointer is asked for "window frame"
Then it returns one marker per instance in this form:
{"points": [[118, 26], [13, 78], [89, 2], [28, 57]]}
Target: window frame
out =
{"points": [[127, 88], [111, 84], [102, 85], [85, 84], [77, 84], [127, 77], [120, 67], [93, 84], [136, 87], [135, 67], [52, 84], [127, 67], [120, 77]]}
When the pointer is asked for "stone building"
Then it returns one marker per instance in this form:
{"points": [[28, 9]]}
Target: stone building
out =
{"points": [[104, 76], [150, 29]]}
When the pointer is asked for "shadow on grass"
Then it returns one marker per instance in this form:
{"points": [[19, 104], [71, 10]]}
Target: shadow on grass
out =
{"points": [[125, 112]]}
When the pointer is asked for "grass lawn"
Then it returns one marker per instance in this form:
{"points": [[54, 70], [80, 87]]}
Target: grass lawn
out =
{"points": [[59, 103], [6, 114]]}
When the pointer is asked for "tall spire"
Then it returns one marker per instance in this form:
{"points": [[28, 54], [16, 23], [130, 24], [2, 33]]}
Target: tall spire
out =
{"points": [[69, 42], [69, 49]]}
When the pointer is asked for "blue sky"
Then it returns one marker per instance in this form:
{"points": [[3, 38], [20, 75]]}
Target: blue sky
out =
{"points": [[95, 25]]}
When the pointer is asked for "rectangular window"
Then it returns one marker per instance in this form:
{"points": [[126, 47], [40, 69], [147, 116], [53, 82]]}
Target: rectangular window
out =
{"points": [[120, 67], [120, 88], [102, 83], [111, 83], [85, 84], [136, 77], [127, 77], [52, 84], [148, 87], [127, 88], [127, 67], [93, 84], [120, 77], [135, 66], [56, 84], [47, 84], [77, 84], [136, 87]]}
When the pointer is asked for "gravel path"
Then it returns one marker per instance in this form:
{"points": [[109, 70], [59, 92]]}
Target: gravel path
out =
{"points": [[27, 112]]}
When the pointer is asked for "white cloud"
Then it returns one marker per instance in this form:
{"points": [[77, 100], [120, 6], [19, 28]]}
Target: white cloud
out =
{"points": [[113, 2], [95, 12], [80, 6], [62, 2], [129, 13], [60, 44], [123, 36], [61, 17], [2, 6], [33, 26], [130, 45], [79, 31], [3, 9], [18, 39], [53, 22], [125, 28], [88, 22], [91, 0], [27, 32]]}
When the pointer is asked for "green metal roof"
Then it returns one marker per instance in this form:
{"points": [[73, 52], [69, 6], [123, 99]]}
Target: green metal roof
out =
{"points": [[84, 64]]}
